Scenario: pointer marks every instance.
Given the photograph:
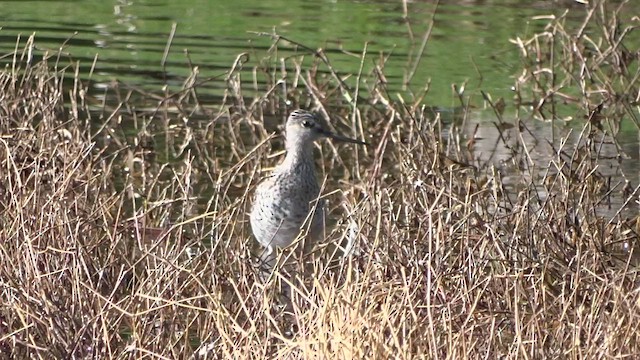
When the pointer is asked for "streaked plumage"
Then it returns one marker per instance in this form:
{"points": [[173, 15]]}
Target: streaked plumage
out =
{"points": [[284, 200]]}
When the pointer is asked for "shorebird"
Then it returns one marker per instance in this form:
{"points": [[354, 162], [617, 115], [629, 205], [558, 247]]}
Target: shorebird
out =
{"points": [[289, 195]]}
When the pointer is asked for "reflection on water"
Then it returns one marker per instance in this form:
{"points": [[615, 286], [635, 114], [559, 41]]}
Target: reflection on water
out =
{"points": [[550, 151]]}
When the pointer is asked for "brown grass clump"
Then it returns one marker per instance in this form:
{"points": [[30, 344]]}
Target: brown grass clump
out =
{"points": [[123, 233]]}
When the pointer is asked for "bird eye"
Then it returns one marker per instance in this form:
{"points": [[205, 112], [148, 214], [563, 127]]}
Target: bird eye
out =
{"points": [[307, 123]]}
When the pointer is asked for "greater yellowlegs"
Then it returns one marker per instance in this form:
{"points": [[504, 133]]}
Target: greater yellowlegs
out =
{"points": [[285, 199]]}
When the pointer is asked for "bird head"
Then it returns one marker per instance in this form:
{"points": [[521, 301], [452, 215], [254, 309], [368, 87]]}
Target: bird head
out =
{"points": [[304, 127]]}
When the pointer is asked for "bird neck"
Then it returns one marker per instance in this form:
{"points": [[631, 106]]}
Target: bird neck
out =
{"points": [[299, 155]]}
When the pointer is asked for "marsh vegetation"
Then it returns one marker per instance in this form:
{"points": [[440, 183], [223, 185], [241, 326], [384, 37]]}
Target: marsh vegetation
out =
{"points": [[124, 234]]}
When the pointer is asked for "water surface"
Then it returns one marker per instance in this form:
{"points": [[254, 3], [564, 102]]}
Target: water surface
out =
{"points": [[146, 44]]}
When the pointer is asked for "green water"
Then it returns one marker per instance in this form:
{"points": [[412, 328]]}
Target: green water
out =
{"points": [[469, 42]]}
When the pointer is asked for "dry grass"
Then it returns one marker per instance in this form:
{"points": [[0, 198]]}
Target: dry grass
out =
{"points": [[588, 71], [110, 250]]}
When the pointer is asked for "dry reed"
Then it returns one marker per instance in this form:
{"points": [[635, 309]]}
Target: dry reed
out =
{"points": [[128, 238]]}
